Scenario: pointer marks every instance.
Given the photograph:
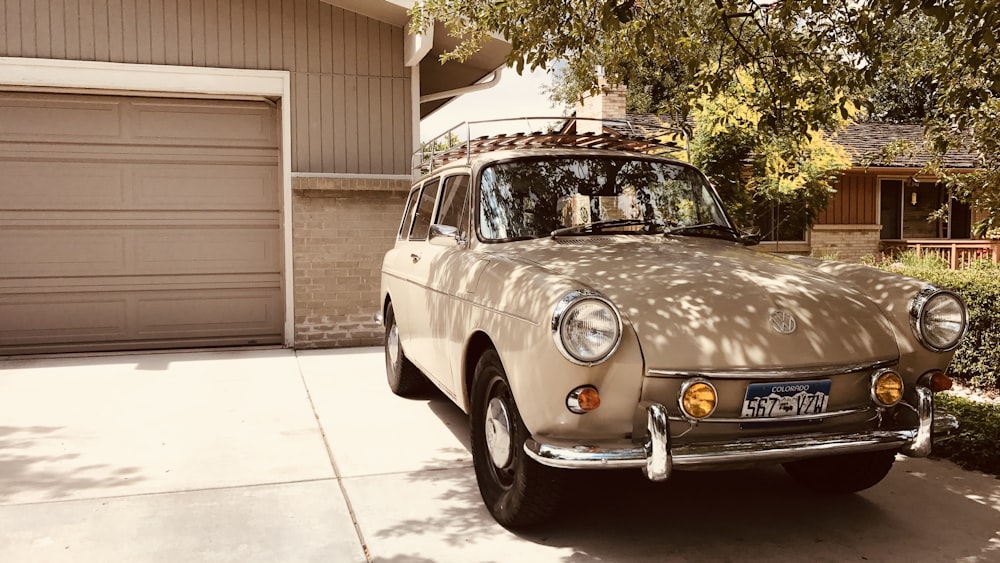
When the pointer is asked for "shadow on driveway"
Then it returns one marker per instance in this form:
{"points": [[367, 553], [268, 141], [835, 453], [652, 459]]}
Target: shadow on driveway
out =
{"points": [[926, 510]]}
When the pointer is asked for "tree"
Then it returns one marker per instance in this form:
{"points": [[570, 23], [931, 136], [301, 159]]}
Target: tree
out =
{"points": [[756, 173], [651, 88], [813, 60], [904, 89]]}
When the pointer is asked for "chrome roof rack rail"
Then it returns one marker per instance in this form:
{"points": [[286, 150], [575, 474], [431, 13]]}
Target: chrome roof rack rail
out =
{"points": [[458, 143]]}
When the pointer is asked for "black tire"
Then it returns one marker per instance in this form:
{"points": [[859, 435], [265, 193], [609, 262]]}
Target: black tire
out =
{"points": [[404, 378], [848, 473], [518, 491]]}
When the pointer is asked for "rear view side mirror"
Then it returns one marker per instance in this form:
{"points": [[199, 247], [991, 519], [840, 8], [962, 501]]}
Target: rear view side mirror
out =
{"points": [[444, 235], [750, 236]]}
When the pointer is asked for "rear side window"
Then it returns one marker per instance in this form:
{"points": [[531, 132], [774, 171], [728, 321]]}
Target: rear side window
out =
{"points": [[453, 195], [407, 222], [425, 208]]}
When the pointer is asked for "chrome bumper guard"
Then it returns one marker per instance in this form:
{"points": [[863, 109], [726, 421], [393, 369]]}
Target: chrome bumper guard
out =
{"points": [[658, 458]]}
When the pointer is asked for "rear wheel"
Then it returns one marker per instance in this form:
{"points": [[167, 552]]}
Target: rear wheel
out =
{"points": [[843, 473], [404, 378], [518, 491]]}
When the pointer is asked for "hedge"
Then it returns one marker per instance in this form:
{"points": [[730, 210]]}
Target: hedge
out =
{"points": [[975, 446], [977, 360]]}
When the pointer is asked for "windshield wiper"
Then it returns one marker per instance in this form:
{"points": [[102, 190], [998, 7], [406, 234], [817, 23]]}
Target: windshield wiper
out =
{"points": [[714, 230], [598, 226]]}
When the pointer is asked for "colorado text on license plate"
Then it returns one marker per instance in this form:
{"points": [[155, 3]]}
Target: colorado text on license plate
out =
{"points": [[771, 400]]}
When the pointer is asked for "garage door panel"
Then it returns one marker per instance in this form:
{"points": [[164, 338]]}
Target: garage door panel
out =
{"points": [[206, 250], [133, 121], [14, 288], [73, 186], [176, 121], [55, 318], [81, 153], [62, 252], [197, 187], [122, 186], [61, 319], [208, 313], [33, 118]]}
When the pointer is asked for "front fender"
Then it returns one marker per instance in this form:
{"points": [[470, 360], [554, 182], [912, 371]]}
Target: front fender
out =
{"points": [[517, 319], [893, 293]]}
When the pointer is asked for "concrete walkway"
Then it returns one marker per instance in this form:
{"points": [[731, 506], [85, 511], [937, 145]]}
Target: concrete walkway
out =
{"points": [[276, 455]]}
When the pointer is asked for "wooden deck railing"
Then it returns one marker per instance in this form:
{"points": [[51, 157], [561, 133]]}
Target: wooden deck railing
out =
{"points": [[957, 253]]}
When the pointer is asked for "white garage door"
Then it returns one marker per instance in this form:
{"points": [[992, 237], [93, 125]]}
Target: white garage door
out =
{"points": [[137, 223]]}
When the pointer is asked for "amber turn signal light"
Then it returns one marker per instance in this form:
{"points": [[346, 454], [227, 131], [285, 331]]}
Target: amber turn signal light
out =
{"points": [[887, 388], [937, 381], [583, 399], [698, 398]]}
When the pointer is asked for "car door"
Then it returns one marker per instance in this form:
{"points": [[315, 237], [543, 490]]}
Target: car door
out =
{"points": [[408, 273], [447, 260]]}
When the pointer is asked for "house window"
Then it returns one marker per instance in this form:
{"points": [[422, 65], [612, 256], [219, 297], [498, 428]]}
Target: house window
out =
{"points": [[777, 223], [906, 204]]}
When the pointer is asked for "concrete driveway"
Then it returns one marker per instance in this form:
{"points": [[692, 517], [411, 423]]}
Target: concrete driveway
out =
{"points": [[276, 455]]}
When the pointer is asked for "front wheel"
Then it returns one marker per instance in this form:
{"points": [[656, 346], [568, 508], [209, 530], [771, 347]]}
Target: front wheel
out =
{"points": [[518, 491], [847, 473]]}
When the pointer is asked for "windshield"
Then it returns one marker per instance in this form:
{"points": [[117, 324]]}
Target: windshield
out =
{"points": [[532, 198]]}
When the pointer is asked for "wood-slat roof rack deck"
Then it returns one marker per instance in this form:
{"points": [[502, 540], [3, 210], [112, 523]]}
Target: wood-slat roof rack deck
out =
{"points": [[562, 132]]}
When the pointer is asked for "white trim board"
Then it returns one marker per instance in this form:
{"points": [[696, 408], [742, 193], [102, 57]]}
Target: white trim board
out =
{"points": [[151, 80]]}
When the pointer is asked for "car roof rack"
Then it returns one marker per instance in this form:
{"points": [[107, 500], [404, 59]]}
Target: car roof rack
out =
{"points": [[458, 142]]}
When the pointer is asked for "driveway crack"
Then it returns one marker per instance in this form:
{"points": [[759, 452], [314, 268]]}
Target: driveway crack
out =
{"points": [[333, 464]]}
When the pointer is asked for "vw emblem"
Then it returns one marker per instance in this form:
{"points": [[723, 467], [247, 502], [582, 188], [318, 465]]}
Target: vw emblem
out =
{"points": [[782, 321]]}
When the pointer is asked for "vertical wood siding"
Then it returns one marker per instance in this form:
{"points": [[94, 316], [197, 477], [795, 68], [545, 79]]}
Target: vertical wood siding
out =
{"points": [[350, 90], [854, 203]]}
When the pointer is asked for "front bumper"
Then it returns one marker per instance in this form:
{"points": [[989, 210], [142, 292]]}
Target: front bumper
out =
{"points": [[658, 457]]}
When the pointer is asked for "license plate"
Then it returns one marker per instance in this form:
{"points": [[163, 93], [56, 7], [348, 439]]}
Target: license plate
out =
{"points": [[776, 400]]}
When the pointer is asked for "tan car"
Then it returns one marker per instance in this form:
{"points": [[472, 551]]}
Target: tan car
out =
{"points": [[594, 308]]}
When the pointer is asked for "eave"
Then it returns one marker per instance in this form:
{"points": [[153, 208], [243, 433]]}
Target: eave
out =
{"points": [[435, 76]]}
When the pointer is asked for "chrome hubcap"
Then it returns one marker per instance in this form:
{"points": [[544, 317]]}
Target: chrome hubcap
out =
{"points": [[498, 432], [392, 345]]}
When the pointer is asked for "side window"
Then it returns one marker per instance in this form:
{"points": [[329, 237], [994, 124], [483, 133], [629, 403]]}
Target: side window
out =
{"points": [[404, 225], [453, 194], [425, 208]]}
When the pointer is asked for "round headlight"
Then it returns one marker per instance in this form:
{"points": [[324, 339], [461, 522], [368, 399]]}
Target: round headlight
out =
{"points": [[586, 327], [938, 318]]}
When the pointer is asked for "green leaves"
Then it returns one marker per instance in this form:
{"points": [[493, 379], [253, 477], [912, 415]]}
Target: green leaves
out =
{"points": [[975, 447], [810, 62]]}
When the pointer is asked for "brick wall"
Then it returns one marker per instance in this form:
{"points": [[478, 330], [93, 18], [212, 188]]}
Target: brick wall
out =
{"points": [[847, 243], [341, 230]]}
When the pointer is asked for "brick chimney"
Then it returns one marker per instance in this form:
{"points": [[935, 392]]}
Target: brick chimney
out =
{"points": [[608, 103]]}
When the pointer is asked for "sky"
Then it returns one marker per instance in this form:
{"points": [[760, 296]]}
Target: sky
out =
{"points": [[514, 96]]}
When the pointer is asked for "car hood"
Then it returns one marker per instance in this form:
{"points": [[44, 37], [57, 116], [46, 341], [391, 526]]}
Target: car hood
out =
{"points": [[697, 303]]}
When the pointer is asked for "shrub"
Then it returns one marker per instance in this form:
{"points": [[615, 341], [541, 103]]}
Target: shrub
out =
{"points": [[977, 360], [975, 447]]}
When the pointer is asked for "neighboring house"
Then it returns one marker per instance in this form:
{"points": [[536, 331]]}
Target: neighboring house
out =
{"points": [[877, 207], [187, 173], [883, 205]]}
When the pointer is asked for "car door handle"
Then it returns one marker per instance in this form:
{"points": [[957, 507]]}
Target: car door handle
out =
{"points": [[415, 258]]}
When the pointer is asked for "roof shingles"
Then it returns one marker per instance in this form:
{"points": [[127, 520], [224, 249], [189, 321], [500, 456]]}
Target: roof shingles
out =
{"points": [[864, 141]]}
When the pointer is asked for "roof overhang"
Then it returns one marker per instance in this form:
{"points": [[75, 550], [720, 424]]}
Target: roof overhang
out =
{"points": [[435, 76]]}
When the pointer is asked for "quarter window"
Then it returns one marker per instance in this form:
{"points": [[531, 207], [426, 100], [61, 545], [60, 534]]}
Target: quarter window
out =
{"points": [[453, 195]]}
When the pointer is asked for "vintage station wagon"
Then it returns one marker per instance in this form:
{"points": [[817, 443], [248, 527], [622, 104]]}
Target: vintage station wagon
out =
{"points": [[591, 306]]}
